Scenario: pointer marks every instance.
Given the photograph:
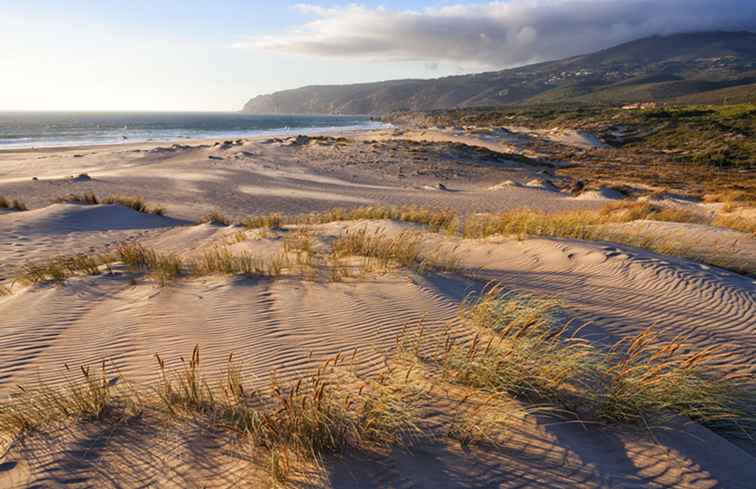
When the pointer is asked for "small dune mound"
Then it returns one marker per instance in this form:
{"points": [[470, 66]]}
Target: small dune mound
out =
{"points": [[81, 177], [227, 144], [542, 184], [603, 193], [505, 185], [169, 149], [58, 219], [439, 187], [300, 140]]}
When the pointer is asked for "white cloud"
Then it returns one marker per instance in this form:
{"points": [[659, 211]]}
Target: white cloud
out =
{"points": [[499, 34]]}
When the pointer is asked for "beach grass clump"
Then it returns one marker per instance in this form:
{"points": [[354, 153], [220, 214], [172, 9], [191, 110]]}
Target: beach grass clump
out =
{"points": [[164, 267], [403, 249], [89, 398], [265, 221], [87, 198], [60, 268], [736, 222], [136, 203], [647, 378], [627, 211], [732, 196], [436, 220], [592, 226], [217, 218], [526, 222], [220, 261], [316, 415], [14, 204], [519, 349], [383, 252]]}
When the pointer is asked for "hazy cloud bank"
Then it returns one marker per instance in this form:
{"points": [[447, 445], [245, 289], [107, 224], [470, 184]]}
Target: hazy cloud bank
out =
{"points": [[501, 34]]}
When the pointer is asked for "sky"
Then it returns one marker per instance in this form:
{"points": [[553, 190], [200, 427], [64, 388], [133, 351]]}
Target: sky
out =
{"points": [[212, 55]]}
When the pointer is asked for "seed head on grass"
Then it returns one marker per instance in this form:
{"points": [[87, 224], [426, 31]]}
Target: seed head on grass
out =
{"points": [[89, 398], [647, 379]]}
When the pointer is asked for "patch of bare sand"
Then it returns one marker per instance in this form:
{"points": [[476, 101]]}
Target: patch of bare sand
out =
{"points": [[68, 229], [302, 178]]}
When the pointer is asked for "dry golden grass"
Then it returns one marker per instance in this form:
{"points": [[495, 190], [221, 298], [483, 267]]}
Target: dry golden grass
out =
{"points": [[646, 375], [132, 202], [216, 217], [737, 222], [60, 268], [383, 252], [268, 221], [521, 349], [732, 197], [444, 220], [589, 225], [220, 261], [93, 397], [12, 204], [165, 268]]}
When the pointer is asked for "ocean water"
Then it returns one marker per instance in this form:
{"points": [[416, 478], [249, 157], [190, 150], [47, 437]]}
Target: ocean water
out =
{"points": [[48, 129]]}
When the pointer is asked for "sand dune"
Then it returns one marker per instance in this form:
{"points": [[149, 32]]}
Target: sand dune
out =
{"points": [[287, 325]]}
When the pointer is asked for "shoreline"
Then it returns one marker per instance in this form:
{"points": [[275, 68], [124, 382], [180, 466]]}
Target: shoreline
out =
{"points": [[193, 141]]}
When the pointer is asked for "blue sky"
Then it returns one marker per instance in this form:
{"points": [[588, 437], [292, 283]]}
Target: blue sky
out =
{"points": [[203, 55]]}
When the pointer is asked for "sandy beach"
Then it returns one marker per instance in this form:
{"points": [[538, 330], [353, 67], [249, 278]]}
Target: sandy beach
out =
{"points": [[281, 326]]}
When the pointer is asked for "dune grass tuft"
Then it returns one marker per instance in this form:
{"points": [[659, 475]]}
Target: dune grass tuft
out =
{"points": [[646, 375], [436, 220], [589, 225], [519, 349], [216, 217], [220, 261], [522, 349], [60, 268], [316, 415], [132, 202], [14, 204], [165, 268], [267, 221], [385, 252], [89, 398]]}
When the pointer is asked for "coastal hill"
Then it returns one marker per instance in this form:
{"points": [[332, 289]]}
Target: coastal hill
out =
{"points": [[718, 66]]}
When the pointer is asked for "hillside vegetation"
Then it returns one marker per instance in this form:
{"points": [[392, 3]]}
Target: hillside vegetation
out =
{"points": [[651, 69]]}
